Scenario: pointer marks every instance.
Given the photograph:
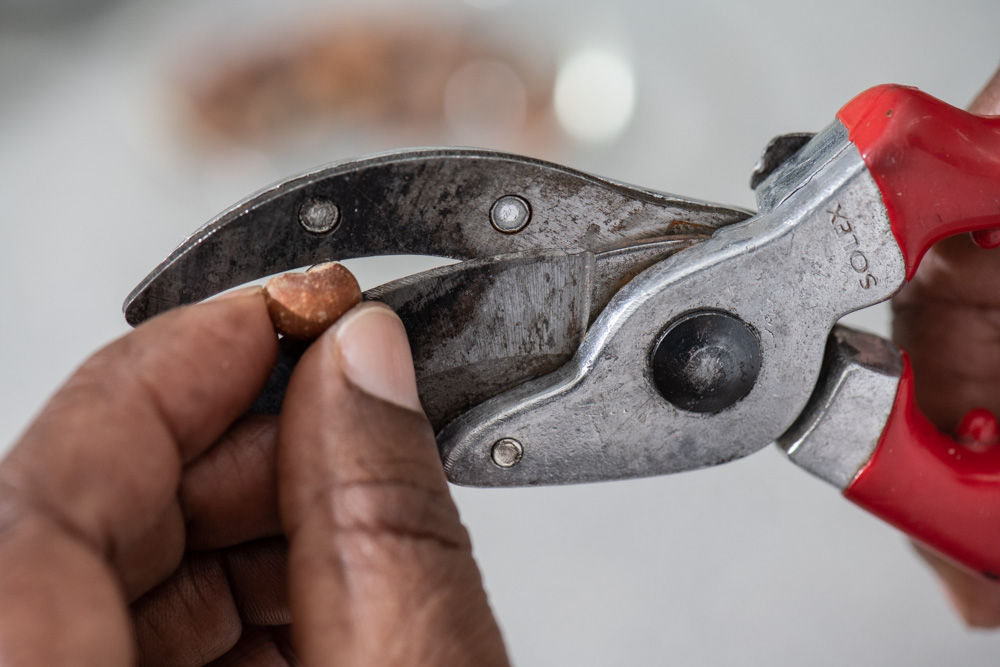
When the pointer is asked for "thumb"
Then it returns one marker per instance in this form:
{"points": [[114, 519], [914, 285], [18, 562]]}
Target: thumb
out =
{"points": [[380, 567]]}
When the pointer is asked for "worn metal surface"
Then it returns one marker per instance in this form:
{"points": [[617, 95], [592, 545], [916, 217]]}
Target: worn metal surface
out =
{"points": [[842, 423], [506, 453], [776, 153], [615, 268], [798, 169], [480, 327], [821, 248], [429, 202], [510, 214], [575, 299], [706, 361]]}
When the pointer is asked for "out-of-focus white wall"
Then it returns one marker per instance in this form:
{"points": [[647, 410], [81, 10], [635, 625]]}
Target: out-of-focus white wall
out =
{"points": [[752, 563]]}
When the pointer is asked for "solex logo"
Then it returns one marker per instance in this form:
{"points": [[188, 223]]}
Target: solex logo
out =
{"points": [[852, 247]]}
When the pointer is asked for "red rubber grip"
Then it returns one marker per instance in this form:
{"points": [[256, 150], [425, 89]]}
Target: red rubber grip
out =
{"points": [[938, 167], [940, 492]]}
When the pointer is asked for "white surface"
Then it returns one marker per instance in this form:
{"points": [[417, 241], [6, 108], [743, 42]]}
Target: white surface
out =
{"points": [[594, 95], [753, 563]]}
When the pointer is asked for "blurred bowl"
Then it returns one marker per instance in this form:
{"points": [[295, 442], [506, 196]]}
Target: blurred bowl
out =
{"points": [[427, 81]]}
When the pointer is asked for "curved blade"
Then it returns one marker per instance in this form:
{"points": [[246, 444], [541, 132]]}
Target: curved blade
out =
{"points": [[481, 327], [431, 202]]}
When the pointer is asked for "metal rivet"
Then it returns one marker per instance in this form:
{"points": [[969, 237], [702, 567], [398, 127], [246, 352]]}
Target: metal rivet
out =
{"points": [[319, 216], [510, 214], [506, 452]]}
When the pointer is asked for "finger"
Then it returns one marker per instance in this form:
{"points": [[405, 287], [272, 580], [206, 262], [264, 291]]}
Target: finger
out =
{"points": [[101, 465], [136, 412], [950, 331], [987, 102], [258, 577], [947, 325], [197, 615], [152, 558], [976, 599], [380, 567], [230, 494], [59, 604], [260, 647], [190, 619]]}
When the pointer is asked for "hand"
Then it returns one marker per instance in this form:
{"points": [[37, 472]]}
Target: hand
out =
{"points": [[142, 516], [948, 320]]}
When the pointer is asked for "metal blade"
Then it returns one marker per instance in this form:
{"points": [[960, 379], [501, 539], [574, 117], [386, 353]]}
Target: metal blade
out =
{"points": [[611, 413], [456, 203], [481, 327]]}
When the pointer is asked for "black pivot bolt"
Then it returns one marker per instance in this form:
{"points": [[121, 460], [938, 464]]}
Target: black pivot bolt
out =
{"points": [[706, 361]]}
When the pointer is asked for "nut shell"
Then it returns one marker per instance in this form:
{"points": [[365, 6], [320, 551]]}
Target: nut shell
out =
{"points": [[304, 305]]}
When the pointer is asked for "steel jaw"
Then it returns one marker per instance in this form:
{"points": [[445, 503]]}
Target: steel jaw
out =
{"points": [[545, 250], [786, 274]]}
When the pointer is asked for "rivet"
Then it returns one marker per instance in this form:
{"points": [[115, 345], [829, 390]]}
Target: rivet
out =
{"points": [[510, 214], [319, 216]]}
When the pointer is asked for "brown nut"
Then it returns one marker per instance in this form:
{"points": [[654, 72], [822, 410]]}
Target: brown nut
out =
{"points": [[304, 305]]}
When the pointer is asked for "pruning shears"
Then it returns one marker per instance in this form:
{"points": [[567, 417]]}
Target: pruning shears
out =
{"points": [[592, 330]]}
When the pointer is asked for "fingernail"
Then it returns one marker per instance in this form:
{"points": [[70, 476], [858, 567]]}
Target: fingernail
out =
{"points": [[239, 292], [375, 355]]}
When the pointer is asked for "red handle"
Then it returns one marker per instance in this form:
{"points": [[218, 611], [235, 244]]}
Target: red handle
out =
{"points": [[938, 167], [941, 492]]}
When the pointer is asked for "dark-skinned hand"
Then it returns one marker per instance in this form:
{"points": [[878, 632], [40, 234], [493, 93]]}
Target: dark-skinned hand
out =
{"points": [[145, 519]]}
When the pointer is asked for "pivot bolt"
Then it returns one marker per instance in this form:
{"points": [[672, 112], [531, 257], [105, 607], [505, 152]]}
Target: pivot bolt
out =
{"points": [[706, 361]]}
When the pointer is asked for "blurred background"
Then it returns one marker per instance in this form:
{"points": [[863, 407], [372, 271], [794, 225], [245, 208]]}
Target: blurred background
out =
{"points": [[126, 124]]}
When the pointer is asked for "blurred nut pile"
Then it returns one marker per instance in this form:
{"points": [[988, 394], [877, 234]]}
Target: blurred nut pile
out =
{"points": [[430, 83]]}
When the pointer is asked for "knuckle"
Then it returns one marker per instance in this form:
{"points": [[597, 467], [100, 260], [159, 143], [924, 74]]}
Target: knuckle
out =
{"points": [[190, 619], [397, 512]]}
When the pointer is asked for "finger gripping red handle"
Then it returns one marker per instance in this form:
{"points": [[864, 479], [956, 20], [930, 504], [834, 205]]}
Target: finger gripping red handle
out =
{"points": [[938, 167], [940, 492]]}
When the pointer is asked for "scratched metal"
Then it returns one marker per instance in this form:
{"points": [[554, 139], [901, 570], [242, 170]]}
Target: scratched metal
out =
{"points": [[778, 151], [480, 327], [425, 202], [797, 169], [821, 248], [840, 426]]}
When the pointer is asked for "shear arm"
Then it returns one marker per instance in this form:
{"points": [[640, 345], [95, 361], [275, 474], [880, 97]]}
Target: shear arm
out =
{"points": [[457, 203], [863, 432], [843, 223], [943, 493], [938, 170]]}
